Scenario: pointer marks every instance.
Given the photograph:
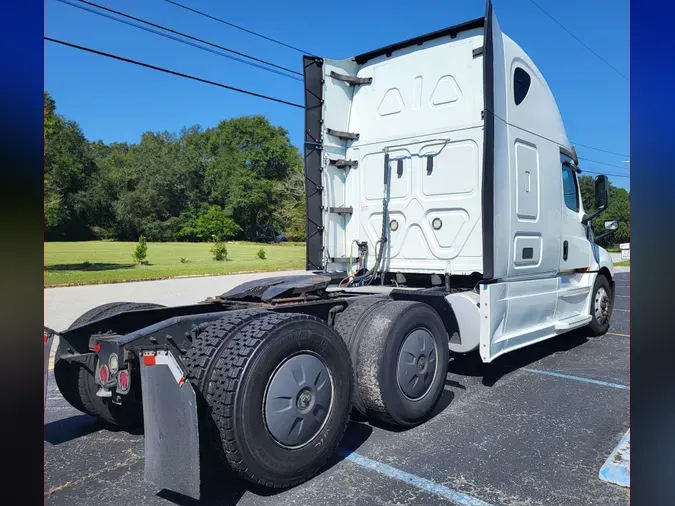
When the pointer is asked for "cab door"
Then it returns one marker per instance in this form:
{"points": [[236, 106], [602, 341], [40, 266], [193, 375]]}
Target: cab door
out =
{"points": [[576, 248]]}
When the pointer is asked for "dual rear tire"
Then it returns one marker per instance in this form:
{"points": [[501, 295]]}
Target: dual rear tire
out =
{"points": [[399, 351], [296, 369]]}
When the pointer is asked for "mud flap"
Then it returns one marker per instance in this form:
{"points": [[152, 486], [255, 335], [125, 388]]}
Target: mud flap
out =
{"points": [[49, 338], [171, 425]]}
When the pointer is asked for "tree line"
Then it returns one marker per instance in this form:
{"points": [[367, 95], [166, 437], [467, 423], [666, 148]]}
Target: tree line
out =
{"points": [[242, 179], [618, 209]]}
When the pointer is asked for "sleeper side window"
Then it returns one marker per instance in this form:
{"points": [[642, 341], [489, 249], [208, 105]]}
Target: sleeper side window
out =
{"points": [[570, 189], [521, 85]]}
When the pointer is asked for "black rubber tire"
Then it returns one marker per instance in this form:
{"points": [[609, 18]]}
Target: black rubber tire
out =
{"points": [[595, 328], [76, 382], [234, 379], [379, 341], [348, 324]]}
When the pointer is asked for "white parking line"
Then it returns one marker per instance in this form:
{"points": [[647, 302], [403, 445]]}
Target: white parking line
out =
{"points": [[577, 378], [422, 483]]}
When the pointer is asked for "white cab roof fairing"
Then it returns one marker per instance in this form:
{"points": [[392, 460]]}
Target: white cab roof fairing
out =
{"points": [[548, 122]]}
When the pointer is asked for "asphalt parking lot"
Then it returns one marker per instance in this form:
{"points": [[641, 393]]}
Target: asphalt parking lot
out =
{"points": [[532, 428]]}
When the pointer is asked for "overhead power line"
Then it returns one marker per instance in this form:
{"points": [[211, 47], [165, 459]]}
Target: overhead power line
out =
{"points": [[583, 171], [238, 27], [598, 149], [603, 163], [173, 72], [285, 73], [578, 40]]}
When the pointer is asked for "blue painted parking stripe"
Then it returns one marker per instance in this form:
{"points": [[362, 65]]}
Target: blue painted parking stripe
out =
{"points": [[577, 378], [411, 479], [617, 466]]}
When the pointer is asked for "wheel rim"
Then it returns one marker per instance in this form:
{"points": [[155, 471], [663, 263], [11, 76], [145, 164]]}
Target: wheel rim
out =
{"points": [[602, 306], [298, 399], [417, 364]]}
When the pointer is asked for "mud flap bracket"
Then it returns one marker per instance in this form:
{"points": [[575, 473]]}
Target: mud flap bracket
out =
{"points": [[171, 425]]}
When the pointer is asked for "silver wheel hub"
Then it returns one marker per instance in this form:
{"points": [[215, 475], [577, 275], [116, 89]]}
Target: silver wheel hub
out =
{"points": [[298, 399], [416, 367], [601, 306]]}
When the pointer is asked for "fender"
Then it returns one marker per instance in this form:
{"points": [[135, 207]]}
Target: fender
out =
{"points": [[602, 260]]}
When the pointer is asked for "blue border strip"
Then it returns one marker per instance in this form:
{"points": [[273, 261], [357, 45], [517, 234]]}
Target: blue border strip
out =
{"points": [[617, 466], [411, 479], [577, 378]]}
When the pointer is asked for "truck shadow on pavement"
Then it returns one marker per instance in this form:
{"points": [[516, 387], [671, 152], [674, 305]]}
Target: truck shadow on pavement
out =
{"points": [[223, 488], [472, 365], [77, 426]]}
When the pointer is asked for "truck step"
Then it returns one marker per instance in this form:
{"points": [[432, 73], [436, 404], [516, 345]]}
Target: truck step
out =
{"points": [[572, 322], [341, 210], [344, 164], [351, 80], [343, 135]]}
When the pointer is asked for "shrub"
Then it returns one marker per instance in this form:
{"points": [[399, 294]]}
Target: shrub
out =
{"points": [[219, 251], [141, 251], [261, 254], [102, 234], [210, 223]]}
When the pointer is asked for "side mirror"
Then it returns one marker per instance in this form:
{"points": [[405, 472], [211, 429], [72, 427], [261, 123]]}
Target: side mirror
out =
{"points": [[601, 198], [612, 225], [601, 192]]}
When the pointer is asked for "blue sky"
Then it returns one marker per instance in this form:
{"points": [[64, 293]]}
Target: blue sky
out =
{"points": [[115, 101]]}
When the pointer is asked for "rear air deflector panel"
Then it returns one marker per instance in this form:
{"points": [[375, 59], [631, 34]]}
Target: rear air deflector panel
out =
{"points": [[313, 68]]}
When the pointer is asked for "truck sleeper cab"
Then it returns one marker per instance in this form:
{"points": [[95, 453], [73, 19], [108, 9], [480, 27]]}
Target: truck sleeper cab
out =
{"points": [[446, 156], [442, 193]]}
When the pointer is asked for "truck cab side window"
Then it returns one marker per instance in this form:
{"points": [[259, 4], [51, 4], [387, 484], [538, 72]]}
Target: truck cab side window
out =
{"points": [[570, 190], [521, 85]]}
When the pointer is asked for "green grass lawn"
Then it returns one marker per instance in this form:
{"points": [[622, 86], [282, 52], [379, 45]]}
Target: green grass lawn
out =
{"points": [[90, 262], [623, 263]]}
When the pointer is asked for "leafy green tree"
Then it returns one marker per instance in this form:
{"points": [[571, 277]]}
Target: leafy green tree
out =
{"points": [[290, 215], [68, 167], [250, 160], [141, 251]]}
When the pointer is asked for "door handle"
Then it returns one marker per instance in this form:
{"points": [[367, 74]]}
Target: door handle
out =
{"points": [[565, 250]]}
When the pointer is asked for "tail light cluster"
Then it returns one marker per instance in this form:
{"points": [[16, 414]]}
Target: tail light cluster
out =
{"points": [[111, 372]]}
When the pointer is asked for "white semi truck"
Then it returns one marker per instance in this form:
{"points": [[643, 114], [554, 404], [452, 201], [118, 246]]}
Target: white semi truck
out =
{"points": [[443, 216]]}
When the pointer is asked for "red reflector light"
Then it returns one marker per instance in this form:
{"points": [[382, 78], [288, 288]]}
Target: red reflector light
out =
{"points": [[46, 337], [97, 348], [103, 374], [123, 380], [148, 360]]}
